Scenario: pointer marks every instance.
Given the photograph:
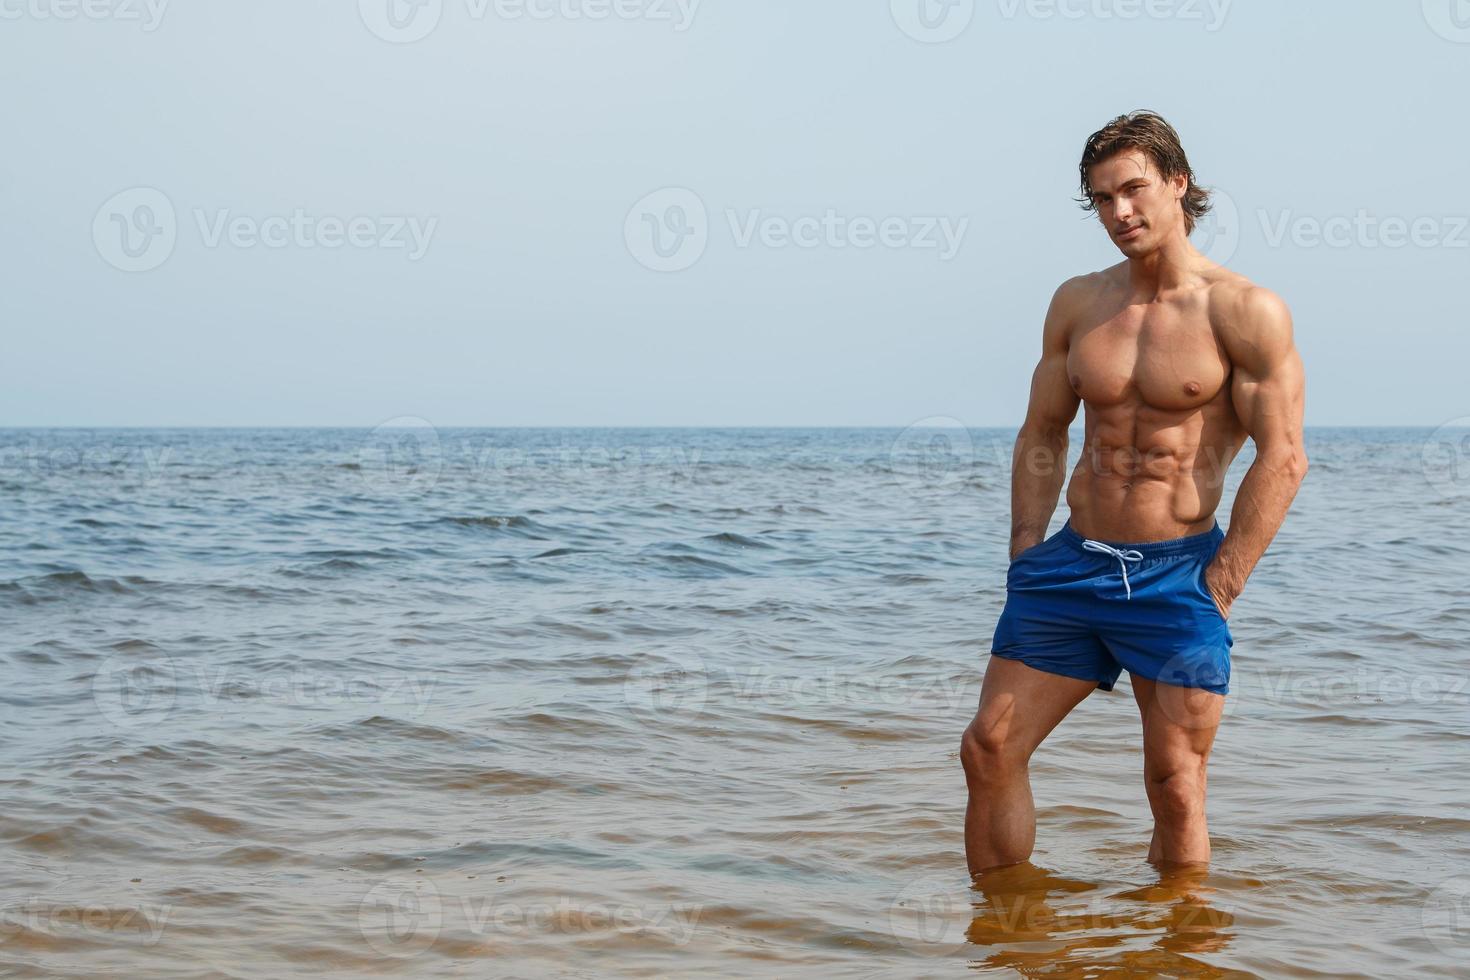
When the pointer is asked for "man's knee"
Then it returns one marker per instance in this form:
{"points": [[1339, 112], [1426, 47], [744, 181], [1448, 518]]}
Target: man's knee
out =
{"points": [[1178, 794], [989, 754]]}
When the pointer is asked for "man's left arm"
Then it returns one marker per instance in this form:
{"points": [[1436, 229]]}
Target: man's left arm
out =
{"points": [[1269, 392]]}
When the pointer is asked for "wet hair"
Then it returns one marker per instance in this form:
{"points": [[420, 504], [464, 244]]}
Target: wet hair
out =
{"points": [[1149, 132]]}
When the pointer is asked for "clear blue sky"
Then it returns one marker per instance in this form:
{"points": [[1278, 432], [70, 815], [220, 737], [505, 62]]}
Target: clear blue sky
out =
{"points": [[518, 146]]}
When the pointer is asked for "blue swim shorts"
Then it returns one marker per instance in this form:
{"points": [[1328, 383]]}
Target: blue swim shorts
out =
{"points": [[1091, 609]]}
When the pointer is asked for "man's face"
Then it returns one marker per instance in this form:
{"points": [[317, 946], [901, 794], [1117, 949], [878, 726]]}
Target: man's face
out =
{"points": [[1135, 204]]}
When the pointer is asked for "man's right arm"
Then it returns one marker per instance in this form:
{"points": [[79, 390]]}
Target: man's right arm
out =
{"points": [[1039, 464]]}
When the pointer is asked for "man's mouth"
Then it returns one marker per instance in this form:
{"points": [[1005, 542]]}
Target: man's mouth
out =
{"points": [[1133, 232]]}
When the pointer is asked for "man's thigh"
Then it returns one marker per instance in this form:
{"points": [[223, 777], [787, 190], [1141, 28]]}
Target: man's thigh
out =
{"points": [[1020, 705], [1179, 725]]}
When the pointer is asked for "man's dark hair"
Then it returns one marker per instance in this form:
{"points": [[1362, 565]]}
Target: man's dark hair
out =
{"points": [[1149, 132]]}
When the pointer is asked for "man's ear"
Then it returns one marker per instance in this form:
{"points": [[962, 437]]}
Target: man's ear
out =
{"points": [[1181, 186]]}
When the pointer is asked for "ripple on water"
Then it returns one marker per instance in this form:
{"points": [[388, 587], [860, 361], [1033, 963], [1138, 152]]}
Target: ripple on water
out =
{"points": [[701, 720]]}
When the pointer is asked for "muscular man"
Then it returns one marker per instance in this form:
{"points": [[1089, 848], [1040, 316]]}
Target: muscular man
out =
{"points": [[1178, 361]]}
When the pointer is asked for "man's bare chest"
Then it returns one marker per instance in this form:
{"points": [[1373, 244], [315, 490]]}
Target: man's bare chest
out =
{"points": [[1163, 358]]}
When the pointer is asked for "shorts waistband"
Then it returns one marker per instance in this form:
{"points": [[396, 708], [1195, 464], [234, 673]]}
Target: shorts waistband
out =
{"points": [[1195, 544]]}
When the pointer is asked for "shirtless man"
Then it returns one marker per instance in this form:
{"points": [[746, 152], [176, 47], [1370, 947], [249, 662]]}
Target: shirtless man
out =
{"points": [[1178, 361]]}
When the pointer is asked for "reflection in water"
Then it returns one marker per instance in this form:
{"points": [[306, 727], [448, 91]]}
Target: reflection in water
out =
{"points": [[1044, 925]]}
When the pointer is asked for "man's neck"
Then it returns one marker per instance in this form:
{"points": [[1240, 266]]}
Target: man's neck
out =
{"points": [[1170, 266]]}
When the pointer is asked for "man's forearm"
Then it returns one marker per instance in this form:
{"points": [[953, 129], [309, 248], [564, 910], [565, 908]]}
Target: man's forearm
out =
{"points": [[1260, 508], [1038, 470]]}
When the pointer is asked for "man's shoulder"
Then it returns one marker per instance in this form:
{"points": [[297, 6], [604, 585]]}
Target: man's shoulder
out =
{"points": [[1237, 302], [1081, 290], [1247, 316]]}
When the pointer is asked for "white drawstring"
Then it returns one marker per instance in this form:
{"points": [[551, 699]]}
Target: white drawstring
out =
{"points": [[1124, 557]]}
